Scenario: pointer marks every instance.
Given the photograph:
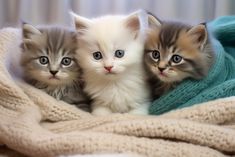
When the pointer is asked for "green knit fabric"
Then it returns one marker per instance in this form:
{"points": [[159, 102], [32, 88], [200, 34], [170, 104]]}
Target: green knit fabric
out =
{"points": [[220, 81]]}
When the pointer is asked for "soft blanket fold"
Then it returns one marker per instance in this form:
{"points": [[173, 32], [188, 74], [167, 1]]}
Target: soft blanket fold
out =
{"points": [[35, 124], [220, 81]]}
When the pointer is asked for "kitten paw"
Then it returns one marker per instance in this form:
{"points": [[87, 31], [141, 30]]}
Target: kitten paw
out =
{"points": [[101, 111], [140, 111]]}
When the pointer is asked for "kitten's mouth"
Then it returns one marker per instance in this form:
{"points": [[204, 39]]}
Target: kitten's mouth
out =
{"points": [[162, 74], [110, 73], [53, 78]]}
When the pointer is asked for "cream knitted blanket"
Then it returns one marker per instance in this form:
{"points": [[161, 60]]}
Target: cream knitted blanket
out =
{"points": [[35, 124]]}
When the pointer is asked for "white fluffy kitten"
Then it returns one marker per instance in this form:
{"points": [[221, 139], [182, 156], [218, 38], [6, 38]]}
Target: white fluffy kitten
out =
{"points": [[111, 55]]}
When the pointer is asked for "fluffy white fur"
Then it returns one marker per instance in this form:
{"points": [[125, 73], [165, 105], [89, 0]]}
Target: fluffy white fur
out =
{"points": [[124, 90]]}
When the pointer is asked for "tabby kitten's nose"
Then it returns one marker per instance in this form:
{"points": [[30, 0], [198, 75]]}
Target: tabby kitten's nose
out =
{"points": [[161, 69], [108, 68], [53, 72]]}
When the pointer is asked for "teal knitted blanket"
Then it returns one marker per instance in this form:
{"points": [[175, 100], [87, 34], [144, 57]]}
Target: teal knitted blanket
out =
{"points": [[220, 81]]}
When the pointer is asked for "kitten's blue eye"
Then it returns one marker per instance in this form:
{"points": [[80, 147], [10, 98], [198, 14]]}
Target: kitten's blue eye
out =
{"points": [[156, 54], [176, 58], [119, 53], [97, 55], [66, 61], [43, 60]]}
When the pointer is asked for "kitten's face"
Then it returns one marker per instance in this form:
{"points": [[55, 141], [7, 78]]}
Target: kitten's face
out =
{"points": [[109, 46], [48, 55], [173, 52]]}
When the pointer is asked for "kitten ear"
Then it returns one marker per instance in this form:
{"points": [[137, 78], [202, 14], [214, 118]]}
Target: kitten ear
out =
{"points": [[132, 22], [28, 44], [74, 36], [199, 34], [80, 22], [153, 21], [29, 31]]}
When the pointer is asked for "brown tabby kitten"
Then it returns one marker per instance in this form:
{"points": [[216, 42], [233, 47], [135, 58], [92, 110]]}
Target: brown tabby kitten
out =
{"points": [[49, 64], [175, 51]]}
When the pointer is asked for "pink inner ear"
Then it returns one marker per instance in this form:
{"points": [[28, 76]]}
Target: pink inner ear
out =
{"points": [[199, 34], [133, 23]]}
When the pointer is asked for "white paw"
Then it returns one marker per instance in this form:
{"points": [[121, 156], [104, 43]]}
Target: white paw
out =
{"points": [[101, 111], [142, 110]]}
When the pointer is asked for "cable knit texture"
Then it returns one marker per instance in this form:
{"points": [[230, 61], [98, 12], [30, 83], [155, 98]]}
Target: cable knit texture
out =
{"points": [[34, 124], [219, 83]]}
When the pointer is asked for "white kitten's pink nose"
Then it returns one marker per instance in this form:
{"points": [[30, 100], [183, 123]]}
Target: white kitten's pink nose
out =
{"points": [[109, 68]]}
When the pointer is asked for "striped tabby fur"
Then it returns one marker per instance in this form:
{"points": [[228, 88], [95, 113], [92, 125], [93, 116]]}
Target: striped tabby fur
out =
{"points": [[175, 51], [49, 64]]}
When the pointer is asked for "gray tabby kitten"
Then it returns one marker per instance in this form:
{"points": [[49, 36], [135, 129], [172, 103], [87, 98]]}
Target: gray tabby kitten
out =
{"points": [[175, 51], [48, 62]]}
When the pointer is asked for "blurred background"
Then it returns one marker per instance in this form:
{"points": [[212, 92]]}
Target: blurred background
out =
{"points": [[56, 11]]}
